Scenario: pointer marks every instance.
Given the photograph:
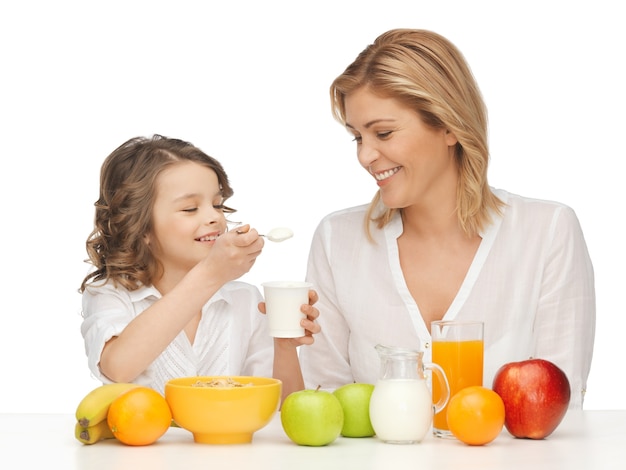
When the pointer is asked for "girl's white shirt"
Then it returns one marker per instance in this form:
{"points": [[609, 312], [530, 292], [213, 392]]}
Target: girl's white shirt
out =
{"points": [[232, 336], [531, 282]]}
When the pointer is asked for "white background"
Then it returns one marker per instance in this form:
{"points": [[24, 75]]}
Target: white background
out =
{"points": [[248, 83]]}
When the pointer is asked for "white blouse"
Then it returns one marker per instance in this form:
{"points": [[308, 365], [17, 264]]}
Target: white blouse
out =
{"points": [[531, 282], [232, 337]]}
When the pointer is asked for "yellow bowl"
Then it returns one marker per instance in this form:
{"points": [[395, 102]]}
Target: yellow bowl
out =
{"points": [[223, 415]]}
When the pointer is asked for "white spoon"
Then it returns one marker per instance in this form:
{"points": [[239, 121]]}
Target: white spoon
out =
{"points": [[278, 234]]}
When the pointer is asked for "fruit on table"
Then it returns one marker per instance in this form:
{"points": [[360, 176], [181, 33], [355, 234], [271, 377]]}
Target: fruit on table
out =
{"points": [[355, 402], [139, 417], [536, 395], [312, 417], [476, 415], [94, 406], [93, 434]]}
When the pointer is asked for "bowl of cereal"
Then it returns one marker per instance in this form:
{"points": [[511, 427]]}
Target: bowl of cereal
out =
{"points": [[223, 409]]}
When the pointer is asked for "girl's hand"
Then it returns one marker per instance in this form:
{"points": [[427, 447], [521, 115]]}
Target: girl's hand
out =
{"points": [[309, 324], [234, 253]]}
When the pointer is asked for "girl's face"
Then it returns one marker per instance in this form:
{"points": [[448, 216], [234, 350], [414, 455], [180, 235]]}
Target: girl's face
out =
{"points": [[412, 163], [187, 215]]}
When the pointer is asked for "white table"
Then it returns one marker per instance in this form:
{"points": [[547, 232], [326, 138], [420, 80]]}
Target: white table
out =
{"points": [[584, 440]]}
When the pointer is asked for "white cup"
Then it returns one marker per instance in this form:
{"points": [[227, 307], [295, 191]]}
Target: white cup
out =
{"points": [[283, 300]]}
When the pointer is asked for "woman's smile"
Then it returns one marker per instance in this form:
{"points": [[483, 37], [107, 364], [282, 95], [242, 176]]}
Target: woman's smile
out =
{"points": [[385, 174]]}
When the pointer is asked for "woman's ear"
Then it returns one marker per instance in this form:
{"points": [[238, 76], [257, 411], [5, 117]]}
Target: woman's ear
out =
{"points": [[146, 239], [451, 139]]}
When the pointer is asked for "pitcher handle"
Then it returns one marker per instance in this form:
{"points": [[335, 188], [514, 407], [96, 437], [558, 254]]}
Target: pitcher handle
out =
{"points": [[435, 369]]}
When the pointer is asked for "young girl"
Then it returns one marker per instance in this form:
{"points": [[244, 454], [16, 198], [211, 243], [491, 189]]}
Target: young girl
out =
{"points": [[162, 301]]}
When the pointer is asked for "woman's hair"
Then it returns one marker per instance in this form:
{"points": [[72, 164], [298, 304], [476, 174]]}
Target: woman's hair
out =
{"points": [[424, 70], [116, 246]]}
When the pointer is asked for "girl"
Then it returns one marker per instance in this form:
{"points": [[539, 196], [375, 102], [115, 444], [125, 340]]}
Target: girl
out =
{"points": [[162, 301]]}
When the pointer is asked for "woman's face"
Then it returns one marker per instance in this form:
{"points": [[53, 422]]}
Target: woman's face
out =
{"points": [[187, 215], [412, 163]]}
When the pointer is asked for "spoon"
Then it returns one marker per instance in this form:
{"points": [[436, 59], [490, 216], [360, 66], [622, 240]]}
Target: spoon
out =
{"points": [[278, 234]]}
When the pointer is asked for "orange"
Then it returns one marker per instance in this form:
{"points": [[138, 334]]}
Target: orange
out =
{"points": [[139, 417], [475, 415]]}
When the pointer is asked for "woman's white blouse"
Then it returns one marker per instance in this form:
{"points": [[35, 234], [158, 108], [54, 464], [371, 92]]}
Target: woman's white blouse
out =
{"points": [[232, 337], [531, 282]]}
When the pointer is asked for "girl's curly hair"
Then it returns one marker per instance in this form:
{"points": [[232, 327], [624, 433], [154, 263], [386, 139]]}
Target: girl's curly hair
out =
{"points": [[123, 216]]}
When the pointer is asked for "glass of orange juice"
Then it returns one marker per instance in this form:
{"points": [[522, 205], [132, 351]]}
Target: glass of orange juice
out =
{"points": [[457, 347]]}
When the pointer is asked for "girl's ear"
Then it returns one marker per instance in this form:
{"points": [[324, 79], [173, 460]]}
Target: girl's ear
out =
{"points": [[146, 239]]}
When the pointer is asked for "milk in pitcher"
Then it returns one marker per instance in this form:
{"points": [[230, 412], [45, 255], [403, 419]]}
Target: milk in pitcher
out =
{"points": [[401, 410]]}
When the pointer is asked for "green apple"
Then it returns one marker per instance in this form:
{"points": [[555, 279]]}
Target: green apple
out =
{"points": [[355, 401], [311, 417]]}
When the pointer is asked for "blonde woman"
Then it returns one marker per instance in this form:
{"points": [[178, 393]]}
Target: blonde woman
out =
{"points": [[437, 242]]}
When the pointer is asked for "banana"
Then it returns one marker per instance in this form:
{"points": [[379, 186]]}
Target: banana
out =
{"points": [[94, 433], [94, 406]]}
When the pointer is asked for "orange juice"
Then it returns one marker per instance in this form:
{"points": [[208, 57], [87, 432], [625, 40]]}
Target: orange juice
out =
{"points": [[462, 361]]}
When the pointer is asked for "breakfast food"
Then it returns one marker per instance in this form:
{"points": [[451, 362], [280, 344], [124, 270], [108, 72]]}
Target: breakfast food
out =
{"points": [[94, 406], [220, 383]]}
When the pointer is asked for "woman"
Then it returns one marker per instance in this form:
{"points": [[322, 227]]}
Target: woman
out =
{"points": [[437, 242]]}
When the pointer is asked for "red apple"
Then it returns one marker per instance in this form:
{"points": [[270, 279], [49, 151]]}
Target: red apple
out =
{"points": [[536, 396]]}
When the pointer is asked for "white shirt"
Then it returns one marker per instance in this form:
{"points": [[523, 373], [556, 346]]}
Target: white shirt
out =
{"points": [[531, 282], [231, 317]]}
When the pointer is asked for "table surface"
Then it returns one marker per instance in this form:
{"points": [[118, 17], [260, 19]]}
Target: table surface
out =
{"points": [[584, 440]]}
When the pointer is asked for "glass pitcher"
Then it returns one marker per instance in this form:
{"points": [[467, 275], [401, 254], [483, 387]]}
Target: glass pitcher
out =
{"points": [[401, 405]]}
